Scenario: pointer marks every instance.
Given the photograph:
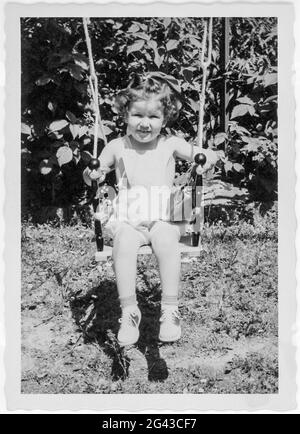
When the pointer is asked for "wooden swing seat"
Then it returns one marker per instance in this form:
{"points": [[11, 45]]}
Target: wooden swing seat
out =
{"points": [[185, 249]]}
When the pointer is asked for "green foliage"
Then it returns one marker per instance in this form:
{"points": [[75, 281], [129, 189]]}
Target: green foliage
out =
{"points": [[251, 142], [57, 108]]}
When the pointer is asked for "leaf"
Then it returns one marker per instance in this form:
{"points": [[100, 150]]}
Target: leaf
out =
{"points": [[137, 46], [172, 44], [251, 110], [221, 155], [220, 138], [238, 167], [194, 105], [240, 110], [45, 167], [270, 79], [241, 130], [142, 26], [152, 44], [218, 192], [195, 42], [72, 118], [74, 130], [142, 36], [251, 79], [272, 98], [167, 21], [86, 141], [182, 179], [228, 166], [25, 129], [64, 155], [76, 159], [55, 135], [42, 81], [65, 57], [133, 28], [158, 60], [82, 131], [245, 100], [58, 125], [86, 157], [252, 144], [76, 72], [74, 146], [52, 106], [25, 152], [107, 130], [188, 75], [116, 25], [214, 55], [81, 61], [148, 56]]}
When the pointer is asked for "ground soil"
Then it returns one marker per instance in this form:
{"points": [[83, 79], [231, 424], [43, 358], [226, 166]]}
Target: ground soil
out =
{"points": [[228, 305]]}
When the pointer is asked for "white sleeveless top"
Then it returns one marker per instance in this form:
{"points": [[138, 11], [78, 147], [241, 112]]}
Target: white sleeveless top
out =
{"points": [[146, 167], [145, 178]]}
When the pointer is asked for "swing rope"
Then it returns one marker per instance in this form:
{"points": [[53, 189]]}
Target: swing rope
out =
{"points": [[94, 162], [198, 179], [93, 80]]}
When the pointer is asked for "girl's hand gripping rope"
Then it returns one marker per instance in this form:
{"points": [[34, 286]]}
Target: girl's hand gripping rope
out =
{"points": [[94, 173], [205, 161]]}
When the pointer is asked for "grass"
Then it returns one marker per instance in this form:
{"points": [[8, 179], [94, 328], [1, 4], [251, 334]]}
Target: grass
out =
{"points": [[228, 303]]}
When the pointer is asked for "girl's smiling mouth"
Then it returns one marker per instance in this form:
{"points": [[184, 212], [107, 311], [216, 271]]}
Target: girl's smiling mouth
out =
{"points": [[143, 132]]}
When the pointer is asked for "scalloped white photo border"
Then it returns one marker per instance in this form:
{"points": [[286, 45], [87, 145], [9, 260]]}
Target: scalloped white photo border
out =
{"points": [[286, 398]]}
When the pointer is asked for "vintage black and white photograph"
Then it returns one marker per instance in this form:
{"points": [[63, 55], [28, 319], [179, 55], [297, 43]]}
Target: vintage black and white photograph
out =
{"points": [[149, 205]]}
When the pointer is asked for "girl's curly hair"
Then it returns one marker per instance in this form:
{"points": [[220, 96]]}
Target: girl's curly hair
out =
{"points": [[140, 88]]}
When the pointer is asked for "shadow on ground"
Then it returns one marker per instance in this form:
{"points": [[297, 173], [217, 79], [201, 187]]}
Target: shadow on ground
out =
{"points": [[96, 314]]}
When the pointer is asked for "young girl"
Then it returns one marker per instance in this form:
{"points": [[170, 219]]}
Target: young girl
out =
{"points": [[144, 161]]}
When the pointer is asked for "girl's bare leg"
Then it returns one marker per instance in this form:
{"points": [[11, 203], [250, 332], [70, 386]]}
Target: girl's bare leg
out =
{"points": [[164, 240], [126, 244]]}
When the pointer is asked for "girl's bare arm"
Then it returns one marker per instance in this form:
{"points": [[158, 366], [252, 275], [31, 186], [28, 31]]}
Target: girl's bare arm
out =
{"points": [[107, 160], [108, 156], [186, 151]]}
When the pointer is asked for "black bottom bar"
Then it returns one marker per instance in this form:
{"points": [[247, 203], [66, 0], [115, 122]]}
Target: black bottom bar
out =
{"points": [[128, 423]]}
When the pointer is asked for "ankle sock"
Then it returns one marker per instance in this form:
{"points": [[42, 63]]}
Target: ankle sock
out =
{"points": [[169, 301], [128, 302]]}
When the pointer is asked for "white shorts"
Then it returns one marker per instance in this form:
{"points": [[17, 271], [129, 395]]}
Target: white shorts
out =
{"points": [[146, 229]]}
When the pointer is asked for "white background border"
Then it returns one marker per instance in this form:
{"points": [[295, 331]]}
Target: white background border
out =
{"points": [[2, 189]]}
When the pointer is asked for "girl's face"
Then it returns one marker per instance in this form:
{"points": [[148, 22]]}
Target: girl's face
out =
{"points": [[145, 119]]}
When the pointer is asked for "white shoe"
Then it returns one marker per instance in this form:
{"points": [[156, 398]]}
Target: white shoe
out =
{"points": [[170, 329], [129, 329]]}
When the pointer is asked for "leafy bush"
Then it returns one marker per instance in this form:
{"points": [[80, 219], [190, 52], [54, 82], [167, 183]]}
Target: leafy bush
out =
{"points": [[57, 107]]}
